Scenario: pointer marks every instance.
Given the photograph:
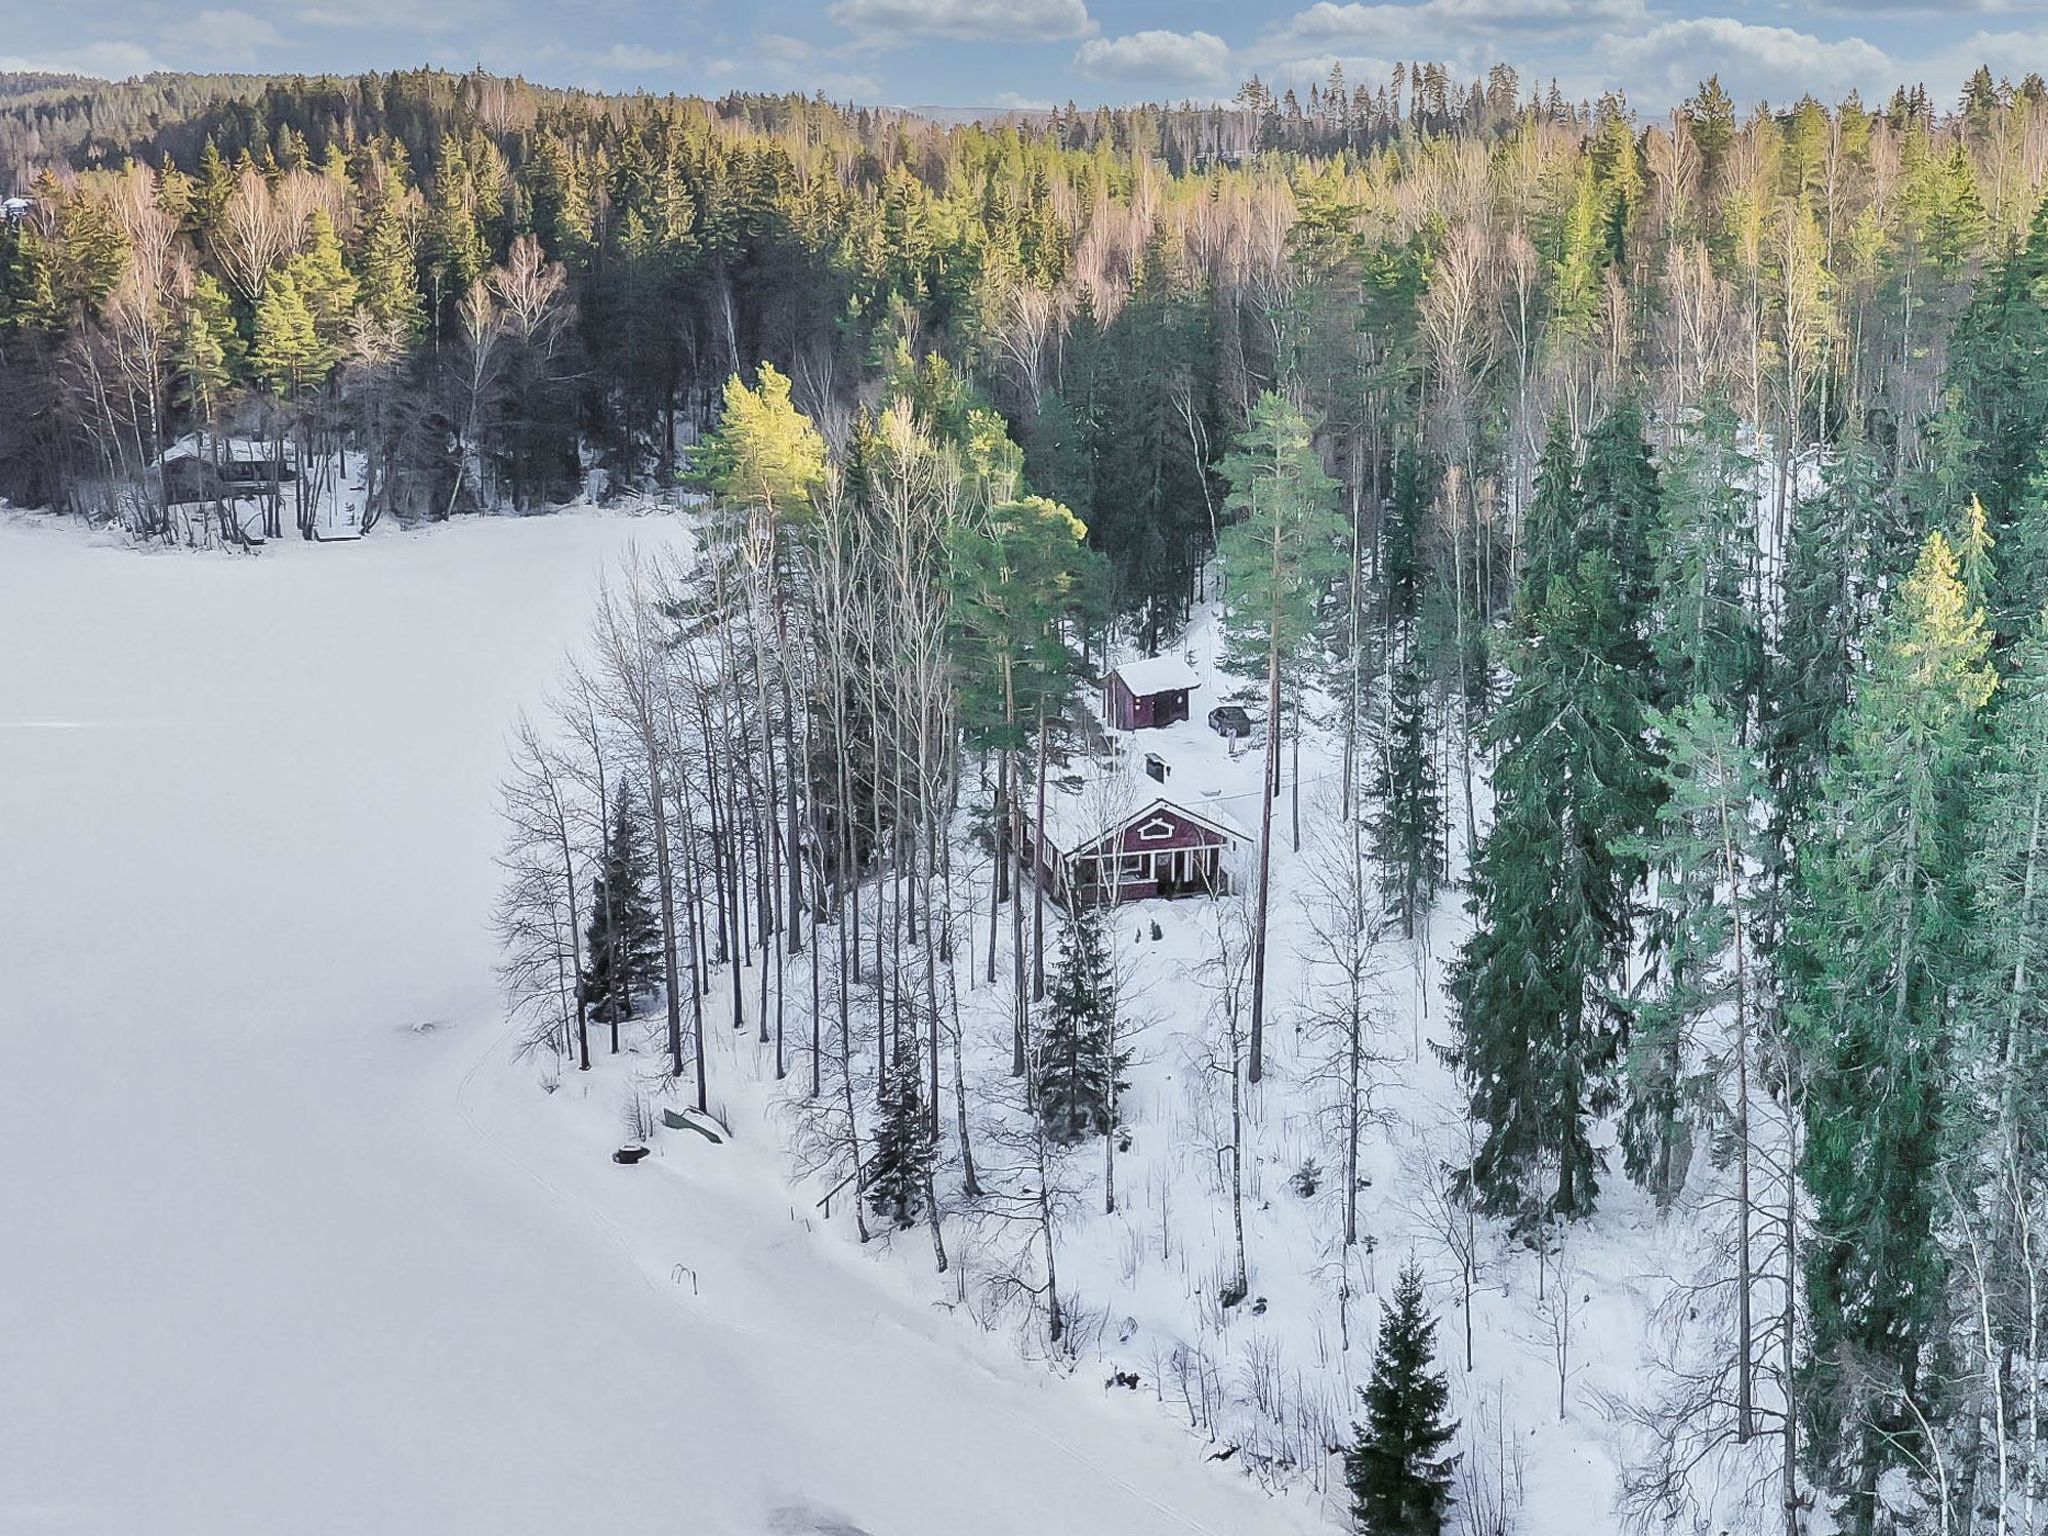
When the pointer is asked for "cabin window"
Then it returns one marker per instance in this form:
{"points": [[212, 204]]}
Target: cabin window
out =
{"points": [[1155, 830]]}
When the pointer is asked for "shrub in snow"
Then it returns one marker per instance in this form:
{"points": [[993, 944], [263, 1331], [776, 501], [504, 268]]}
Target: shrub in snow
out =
{"points": [[636, 1116], [1306, 1179]]}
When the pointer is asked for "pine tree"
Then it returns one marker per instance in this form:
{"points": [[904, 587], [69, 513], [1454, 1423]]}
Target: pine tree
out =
{"points": [[1078, 1073], [1399, 1478], [623, 940], [899, 1168], [764, 456], [1278, 557]]}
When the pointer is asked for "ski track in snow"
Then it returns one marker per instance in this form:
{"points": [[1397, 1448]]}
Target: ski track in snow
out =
{"points": [[279, 1260]]}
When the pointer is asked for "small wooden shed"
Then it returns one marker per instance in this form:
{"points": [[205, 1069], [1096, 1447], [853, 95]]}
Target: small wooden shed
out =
{"points": [[1142, 695], [1164, 848]]}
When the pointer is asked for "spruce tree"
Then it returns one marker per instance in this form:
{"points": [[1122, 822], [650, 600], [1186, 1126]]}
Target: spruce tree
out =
{"points": [[327, 287], [286, 356], [386, 275], [205, 347], [1621, 512], [1829, 585], [1707, 637], [623, 939], [1538, 1030], [2022, 587], [2006, 1072], [1148, 386], [1701, 937], [899, 1168], [1399, 1478], [1875, 966], [1409, 829], [1997, 379], [1078, 1071]]}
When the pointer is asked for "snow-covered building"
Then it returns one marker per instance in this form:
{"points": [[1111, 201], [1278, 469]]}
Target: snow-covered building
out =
{"points": [[1142, 695], [1094, 853], [222, 469]]}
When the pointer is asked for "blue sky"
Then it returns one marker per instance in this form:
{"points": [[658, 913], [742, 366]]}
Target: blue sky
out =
{"points": [[993, 53]]}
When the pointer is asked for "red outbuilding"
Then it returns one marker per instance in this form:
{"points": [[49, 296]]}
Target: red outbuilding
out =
{"points": [[1141, 695]]}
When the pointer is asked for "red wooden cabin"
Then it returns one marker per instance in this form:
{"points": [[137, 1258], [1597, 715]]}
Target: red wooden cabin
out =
{"points": [[1141, 695], [1163, 848]]}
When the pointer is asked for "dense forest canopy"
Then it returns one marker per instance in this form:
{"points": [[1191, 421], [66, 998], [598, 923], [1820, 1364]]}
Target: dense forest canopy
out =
{"points": [[490, 288]]}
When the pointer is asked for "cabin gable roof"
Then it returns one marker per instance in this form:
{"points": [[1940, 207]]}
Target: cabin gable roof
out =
{"points": [[1157, 674], [1163, 817]]}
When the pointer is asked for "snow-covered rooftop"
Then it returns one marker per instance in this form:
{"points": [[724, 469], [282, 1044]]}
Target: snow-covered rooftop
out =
{"points": [[1157, 674], [229, 449], [1075, 820]]}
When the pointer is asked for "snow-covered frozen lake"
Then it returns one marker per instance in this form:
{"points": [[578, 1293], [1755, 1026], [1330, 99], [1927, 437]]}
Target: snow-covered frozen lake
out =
{"points": [[273, 1259]]}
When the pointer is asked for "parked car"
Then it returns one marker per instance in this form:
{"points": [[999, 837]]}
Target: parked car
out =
{"points": [[1230, 720]]}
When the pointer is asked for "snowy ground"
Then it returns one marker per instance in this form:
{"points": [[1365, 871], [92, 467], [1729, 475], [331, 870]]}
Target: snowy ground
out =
{"points": [[1563, 1340], [291, 1245]]}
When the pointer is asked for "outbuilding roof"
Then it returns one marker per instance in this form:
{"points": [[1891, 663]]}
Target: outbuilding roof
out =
{"points": [[1157, 674]]}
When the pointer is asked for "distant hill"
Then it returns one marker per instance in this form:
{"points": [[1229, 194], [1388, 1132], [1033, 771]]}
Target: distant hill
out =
{"points": [[80, 120], [16, 83]]}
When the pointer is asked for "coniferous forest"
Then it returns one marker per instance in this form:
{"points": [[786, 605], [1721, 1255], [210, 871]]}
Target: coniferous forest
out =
{"points": [[1628, 535]]}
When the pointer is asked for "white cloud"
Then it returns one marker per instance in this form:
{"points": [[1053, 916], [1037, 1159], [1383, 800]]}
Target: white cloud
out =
{"points": [[106, 60], [402, 16], [843, 85], [634, 59], [1359, 69], [2011, 54], [1156, 58], [221, 39], [783, 48], [890, 22], [1857, 9], [776, 62], [1668, 62], [1426, 28]]}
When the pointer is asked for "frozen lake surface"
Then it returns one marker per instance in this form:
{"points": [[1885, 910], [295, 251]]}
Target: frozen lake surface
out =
{"points": [[280, 1259]]}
